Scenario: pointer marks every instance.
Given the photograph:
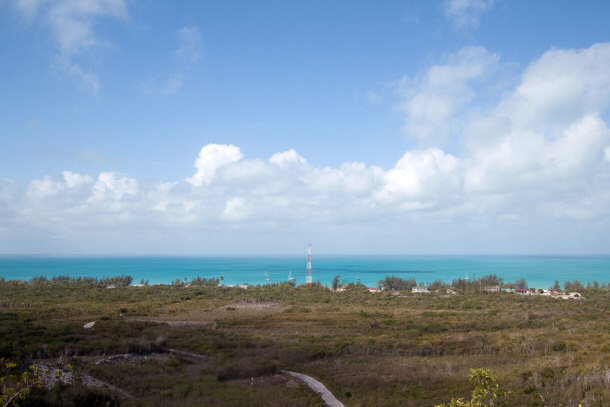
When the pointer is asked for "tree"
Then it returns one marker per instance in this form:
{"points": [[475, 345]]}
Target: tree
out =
{"points": [[209, 282], [520, 283], [490, 280], [461, 284], [437, 285], [336, 282], [484, 394], [556, 286], [396, 283], [17, 387], [573, 286]]}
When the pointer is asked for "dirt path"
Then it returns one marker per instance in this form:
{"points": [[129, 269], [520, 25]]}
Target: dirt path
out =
{"points": [[327, 396], [187, 354], [173, 322]]}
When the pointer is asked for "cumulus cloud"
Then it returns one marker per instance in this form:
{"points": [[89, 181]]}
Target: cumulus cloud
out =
{"points": [[73, 180], [560, 87], [112, 188], [46, 187], [425, 178], [549, 131], [434, 98], [466, 13], [286, 158], [527, 158], [235, 210], [213, 157]]}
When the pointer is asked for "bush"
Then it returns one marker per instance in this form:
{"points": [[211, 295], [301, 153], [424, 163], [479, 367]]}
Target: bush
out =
{"points": [[485, 392], [250, 367]]}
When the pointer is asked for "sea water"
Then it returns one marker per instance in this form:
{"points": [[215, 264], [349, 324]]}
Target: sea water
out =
{"points": [[538, 271]]}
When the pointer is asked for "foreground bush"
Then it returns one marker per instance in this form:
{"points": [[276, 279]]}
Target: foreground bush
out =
{"points": [[485, 392]]}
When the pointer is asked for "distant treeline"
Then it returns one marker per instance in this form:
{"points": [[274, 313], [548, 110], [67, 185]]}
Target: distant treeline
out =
{"points": [[482, 283], [388, 283], [116, 281]]}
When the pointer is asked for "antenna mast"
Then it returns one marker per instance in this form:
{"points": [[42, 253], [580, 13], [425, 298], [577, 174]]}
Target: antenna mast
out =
{"points": [[308, 278]]}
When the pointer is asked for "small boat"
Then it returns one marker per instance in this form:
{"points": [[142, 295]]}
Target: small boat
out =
{"points": [[266, 276], [290, 278]]}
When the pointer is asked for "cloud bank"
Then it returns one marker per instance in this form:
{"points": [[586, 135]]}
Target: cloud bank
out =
{"points": [[537, 156]]}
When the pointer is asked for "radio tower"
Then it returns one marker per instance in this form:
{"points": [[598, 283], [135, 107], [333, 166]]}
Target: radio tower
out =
{"points": [[308, 278]]}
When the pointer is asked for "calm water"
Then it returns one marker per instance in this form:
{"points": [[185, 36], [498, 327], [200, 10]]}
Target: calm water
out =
{"points": [[538, 271]]}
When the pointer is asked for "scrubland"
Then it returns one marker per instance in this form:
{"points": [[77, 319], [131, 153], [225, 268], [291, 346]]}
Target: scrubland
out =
{"points": [[392, 348]]}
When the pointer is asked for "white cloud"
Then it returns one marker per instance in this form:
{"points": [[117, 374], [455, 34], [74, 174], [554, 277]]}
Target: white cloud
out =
{"points": [[235, 210], [46, 187], [287, 158], [84, 80], [190, 44], [42, 188], [429, 175], [72, 24], [560, 87], [72, 21], [547, 133], [110, 188], [466, 13], [74, 180], [434, 98], [211, 158], [525, 160]]}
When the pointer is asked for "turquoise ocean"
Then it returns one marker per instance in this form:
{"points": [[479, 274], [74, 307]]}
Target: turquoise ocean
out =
{"points": [[538, 271]]}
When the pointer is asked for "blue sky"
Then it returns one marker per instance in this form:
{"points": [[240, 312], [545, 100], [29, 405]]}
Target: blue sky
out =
{"points": [[458, 126]]}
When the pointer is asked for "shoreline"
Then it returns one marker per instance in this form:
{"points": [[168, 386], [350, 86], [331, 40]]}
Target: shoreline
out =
{"points": [[538, 271]]}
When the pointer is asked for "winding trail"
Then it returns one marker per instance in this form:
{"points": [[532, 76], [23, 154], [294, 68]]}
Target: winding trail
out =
{"points": [[187, 354], [327, 396]]}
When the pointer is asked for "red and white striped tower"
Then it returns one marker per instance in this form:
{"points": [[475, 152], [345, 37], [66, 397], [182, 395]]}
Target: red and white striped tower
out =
{"points": [[308, 278]]}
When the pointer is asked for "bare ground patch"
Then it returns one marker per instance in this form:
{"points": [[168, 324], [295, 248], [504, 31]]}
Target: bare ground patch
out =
{"points": [[50, 376], [174, 322]]}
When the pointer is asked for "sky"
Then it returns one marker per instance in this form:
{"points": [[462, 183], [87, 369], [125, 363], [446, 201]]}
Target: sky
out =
{"points": [[238, 127]]}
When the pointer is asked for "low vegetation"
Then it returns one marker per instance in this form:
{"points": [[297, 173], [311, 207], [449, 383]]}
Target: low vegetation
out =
{"points": [[200, 344]]}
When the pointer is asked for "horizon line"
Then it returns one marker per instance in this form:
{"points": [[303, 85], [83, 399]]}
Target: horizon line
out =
{"points": [[135, 254]]}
